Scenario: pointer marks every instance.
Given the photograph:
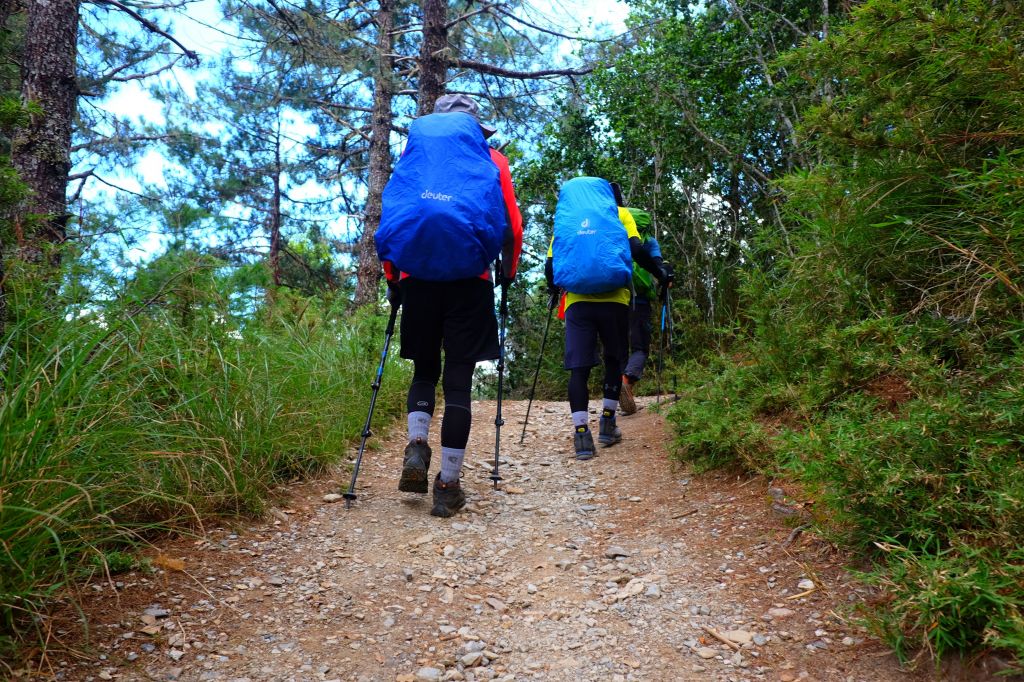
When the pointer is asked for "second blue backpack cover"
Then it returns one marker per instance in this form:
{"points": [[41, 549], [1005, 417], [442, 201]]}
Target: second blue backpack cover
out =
{"points": [[590, 249]]}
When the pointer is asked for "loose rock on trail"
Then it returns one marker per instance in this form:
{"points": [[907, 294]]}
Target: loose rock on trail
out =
{"points": [[620, 568]]}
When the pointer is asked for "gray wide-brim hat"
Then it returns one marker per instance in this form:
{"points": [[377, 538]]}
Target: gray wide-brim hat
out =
{"points": [[447, 104]]}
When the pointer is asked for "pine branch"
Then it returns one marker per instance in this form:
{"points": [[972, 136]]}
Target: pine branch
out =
{"points": [[149, 26], [140, 76], [513, 17], [492, 70], [469, 15]]}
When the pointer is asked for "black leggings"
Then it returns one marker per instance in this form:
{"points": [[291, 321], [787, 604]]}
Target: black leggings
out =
{"points": [[457, 384], [579, 377]]}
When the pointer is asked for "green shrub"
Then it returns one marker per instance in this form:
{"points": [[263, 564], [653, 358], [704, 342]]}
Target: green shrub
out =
{"points": [[129, 420]]}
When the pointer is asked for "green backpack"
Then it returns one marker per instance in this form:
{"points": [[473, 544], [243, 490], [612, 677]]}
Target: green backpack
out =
{"points": [[643, 281]]}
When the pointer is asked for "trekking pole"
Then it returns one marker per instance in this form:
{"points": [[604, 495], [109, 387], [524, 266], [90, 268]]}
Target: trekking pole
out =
{"points": [[498, 421], [388, 333], [661, 350], [670, 327], [540, 358]]}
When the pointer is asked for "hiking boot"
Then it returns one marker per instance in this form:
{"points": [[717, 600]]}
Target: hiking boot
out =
{"points": [[448, 498], [414, 467], [627, 404], [584, 442], [609, 434]]}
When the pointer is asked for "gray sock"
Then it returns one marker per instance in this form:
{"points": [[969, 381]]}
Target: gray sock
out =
{"points": [[419, 425], [580, 418], [610, 405], [451, 464]]}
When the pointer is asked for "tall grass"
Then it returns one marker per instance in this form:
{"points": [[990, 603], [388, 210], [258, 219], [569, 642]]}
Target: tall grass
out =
{"points": [[113, 426]]}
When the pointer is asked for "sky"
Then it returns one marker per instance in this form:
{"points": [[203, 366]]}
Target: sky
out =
{"points": [[201, 29]]}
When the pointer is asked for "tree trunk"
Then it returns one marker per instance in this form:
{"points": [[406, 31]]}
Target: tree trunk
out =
{"points": [[41, 151], [274, 257], [368, 271], [433, 60]]}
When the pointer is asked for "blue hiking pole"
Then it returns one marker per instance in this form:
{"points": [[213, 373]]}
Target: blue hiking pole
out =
{"points": [[666, 322], [388, 333], [498, 421]]}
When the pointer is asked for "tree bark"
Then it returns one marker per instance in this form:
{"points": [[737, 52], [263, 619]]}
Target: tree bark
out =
{"points": [[41, 151], [275, 216], [433, 60], [368, 270]]}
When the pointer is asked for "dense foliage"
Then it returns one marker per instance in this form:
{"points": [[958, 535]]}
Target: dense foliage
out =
{"points": [[880, 365]]}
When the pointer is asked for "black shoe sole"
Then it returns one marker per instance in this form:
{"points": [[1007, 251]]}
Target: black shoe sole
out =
{"points": [[443, 511], [413, 480]]}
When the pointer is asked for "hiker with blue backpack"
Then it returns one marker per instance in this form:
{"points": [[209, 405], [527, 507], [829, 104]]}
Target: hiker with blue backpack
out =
{"points": [[449, 211], [591, 257], [645, 293]]}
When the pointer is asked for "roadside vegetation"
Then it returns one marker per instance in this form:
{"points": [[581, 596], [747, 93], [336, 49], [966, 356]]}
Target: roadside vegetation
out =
{"points": [[161, 408]]}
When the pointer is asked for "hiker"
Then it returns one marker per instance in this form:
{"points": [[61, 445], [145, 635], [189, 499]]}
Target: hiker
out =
{"points": [[645, 293], [594, 243], [448, 210]]}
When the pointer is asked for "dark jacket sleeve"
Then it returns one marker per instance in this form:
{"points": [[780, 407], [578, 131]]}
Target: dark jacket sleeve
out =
{"points": [[651, 264]]}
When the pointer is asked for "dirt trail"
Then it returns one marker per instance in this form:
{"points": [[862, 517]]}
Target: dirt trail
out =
{"points": [[613, 569]]}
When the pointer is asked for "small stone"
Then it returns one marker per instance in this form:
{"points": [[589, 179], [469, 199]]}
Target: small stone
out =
{"points": [[531, 588], [786, 677], [805, 584], [739, 636], [588, 507], [653, 591], [422, 540], [156, 612], [472, 659], [275, 580], [780, 613], [849, 641], [495, 604], [175, 654], [706, 652], [408, 574], [614, 552], [333, 497], [428, 675], [760, 640]]}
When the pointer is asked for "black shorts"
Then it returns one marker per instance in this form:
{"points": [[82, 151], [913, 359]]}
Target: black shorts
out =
{"points": [[588, 321], [457, 316]]}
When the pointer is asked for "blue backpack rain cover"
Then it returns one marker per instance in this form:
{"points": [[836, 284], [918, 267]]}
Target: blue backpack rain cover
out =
{"points": [[443, 215], [590, 250]]}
